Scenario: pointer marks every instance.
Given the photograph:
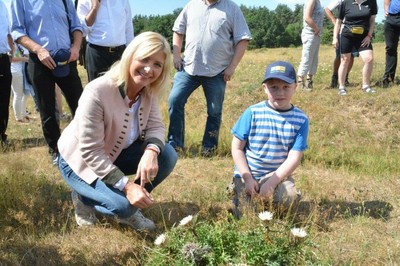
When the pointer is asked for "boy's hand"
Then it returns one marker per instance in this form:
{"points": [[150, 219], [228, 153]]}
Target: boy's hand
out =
{"points": [[251, 186], [268, 188]]}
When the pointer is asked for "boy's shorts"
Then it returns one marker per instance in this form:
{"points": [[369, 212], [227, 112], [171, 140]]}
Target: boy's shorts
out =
{"points": [[285, 193]]}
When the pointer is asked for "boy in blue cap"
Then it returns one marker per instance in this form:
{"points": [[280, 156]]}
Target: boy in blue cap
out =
{"points": [[269, 140]]}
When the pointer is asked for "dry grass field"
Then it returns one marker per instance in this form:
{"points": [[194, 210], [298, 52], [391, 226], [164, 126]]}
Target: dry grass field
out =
{"points": [[349, 179]]}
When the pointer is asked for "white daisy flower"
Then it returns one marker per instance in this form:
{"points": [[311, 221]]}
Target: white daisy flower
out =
{"points": [[299, 232], [265, 216], [160, 239], [186, 220]]}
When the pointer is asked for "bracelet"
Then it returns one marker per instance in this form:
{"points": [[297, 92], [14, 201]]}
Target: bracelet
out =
{"points": [[369, 35], [151, 149]]}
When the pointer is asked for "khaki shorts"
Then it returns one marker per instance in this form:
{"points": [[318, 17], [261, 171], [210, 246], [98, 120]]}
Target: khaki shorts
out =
{"points": [[285, 193]]}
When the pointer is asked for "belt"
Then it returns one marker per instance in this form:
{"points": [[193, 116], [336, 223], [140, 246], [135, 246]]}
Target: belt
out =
{"points": [[3, 55], [394, 15], [114, 49]]}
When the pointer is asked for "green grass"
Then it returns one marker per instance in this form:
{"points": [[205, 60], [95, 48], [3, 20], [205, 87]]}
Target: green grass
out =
{"points": [[349, 179]]}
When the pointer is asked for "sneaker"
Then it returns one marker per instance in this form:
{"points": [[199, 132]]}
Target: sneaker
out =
{"points": [[84, 214], [54, 158], [342, 92], [139, 222], [334, 82], [300, 84], [369, 90], [310, 85]]}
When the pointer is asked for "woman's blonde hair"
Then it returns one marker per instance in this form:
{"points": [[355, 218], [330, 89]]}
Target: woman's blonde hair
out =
{"points": [[143, 46]]}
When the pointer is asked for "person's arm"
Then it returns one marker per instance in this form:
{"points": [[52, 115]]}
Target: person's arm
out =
{"points": [[283, 172], [386, 4], [90, 18], [239, 158], [129, 29], [330, 15], [41, 52], [240, 49], [76, 45], [368, 39], [177, 42], [336, 30], [308, 17]]}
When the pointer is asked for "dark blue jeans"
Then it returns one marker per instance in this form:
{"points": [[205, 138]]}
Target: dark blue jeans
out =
{"points": [[184, 86], [392, 32], [109, 200]]}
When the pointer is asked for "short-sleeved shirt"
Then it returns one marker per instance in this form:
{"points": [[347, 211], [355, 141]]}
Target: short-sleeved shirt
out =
{"points": [[394, 7], [211, 35], [270, 135], [353, 14]]}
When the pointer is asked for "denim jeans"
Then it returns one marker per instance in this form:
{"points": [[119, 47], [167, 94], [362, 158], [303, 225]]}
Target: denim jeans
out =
{"points": [[392, 32], [109, 200], [184, 86]]}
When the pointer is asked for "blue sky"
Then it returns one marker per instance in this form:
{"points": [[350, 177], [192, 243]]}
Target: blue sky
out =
{"points": [[162, 7]]}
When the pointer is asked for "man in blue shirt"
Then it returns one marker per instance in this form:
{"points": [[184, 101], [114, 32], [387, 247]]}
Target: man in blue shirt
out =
{"points": [[6, 44], [392, 33], [51, 31]]}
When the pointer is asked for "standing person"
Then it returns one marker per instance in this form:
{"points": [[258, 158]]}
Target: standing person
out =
{"points": [[358, 19], [18, 84], [6, 51], [392, 33], [118, 131], [266, 156], [109, 28], [334, 5], [217, 36], [311, 39], [53, 34]]}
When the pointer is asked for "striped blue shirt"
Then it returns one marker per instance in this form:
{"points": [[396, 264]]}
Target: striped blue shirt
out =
{"points": [[270, 135]]}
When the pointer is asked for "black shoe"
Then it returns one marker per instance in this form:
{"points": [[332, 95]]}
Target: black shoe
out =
{"points": [[208, 152], [347, 83], [385, 83], [334, 82]]}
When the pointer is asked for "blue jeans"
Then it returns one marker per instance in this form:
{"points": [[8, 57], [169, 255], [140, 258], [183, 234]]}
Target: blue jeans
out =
{"points": [[109, 200], [184, 86]]}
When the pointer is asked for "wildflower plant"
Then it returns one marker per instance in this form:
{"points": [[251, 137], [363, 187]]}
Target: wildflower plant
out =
{"points": [[228, 241]]}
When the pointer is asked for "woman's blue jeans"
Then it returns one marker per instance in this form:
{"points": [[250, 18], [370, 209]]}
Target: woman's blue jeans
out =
{"points": [[184, 86], [109, 200]]}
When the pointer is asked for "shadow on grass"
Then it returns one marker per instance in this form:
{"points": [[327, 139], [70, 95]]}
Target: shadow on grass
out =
{"points": [[343, 209], [23, 144]]}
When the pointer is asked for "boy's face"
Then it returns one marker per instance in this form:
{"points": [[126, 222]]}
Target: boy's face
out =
{"points": [[279, 93]]}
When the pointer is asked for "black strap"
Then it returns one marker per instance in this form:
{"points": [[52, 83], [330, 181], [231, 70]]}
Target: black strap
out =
{"points": [[69, 21]]}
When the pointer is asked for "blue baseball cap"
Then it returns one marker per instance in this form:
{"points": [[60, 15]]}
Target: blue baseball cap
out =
{"points": [[280, 70], [61, 58]]}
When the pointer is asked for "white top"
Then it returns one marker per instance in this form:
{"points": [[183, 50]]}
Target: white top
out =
{"points": [[113, 25]]}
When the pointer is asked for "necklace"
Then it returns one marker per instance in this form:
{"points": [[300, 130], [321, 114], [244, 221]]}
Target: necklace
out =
{"points": [[136, 99]]}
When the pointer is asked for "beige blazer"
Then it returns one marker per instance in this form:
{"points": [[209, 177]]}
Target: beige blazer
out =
{"points": [[99, 131]]}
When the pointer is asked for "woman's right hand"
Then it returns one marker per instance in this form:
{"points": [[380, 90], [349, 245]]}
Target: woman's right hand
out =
{"points": [[137, 195], [335, 42]]}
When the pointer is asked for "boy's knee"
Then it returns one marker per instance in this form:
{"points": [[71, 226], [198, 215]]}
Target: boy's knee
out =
{"points": [[286, 194]]}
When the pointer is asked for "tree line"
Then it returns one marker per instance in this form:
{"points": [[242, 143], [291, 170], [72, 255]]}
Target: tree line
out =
{"points": [[270, 28]]}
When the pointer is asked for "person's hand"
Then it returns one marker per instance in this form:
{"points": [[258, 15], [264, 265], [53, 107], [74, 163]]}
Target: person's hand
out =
{"points": [[74, 54], [366, 41], [138, 196], [147, 168], [251, 186], [317, 31], [228, 73], [268, 188], [335, 42], [45, 58], [178, 62]]}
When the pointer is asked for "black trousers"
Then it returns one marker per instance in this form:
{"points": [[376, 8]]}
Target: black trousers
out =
{"points": [[392, 32], [43, 83], [100, 59], [5, 92]]}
